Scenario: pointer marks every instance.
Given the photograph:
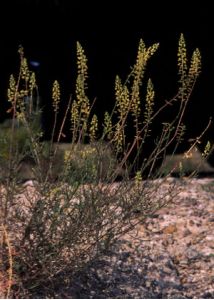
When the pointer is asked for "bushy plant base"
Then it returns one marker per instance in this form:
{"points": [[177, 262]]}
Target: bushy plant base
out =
{"points": [[61, 227]]}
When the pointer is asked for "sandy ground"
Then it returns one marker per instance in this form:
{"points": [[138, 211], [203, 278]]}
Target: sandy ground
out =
{"points": [[171, 255]]}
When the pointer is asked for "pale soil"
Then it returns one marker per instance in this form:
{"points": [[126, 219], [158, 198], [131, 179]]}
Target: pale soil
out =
{"points": [[171, 255]]}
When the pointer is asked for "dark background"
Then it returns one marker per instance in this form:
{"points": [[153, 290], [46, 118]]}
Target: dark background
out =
{"points": [[109, 33]]}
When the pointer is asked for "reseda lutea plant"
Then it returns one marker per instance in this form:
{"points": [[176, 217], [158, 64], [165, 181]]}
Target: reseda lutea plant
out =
{"points": [[74, 210]]}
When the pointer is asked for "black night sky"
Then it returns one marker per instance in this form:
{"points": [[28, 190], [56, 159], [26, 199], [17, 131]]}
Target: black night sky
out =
{"points": [[109, 33]]}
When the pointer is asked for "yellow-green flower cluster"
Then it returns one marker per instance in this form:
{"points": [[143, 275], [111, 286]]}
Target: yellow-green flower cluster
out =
{"points": [[150, 94], [81, 61], [56, 95], [32, 82], [20, 91], [207, 150], [195, 65], [20, 116], [85, 109], [82, 70], [107, 130], [122, 97], [80, 109], [74, 115], [119, 138], [187, 75], [180, 132], [12, 89], [93, 128], [151, 50], [67, 156], [138, 72], [182, 58], [138, 178], [86, 153], [25, 73]]}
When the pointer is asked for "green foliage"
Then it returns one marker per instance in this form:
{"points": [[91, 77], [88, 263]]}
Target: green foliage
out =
{"points": [[83, 163]]}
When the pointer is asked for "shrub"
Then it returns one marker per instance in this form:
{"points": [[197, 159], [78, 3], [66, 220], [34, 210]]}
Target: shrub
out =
{"points": [[75, 209]]}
